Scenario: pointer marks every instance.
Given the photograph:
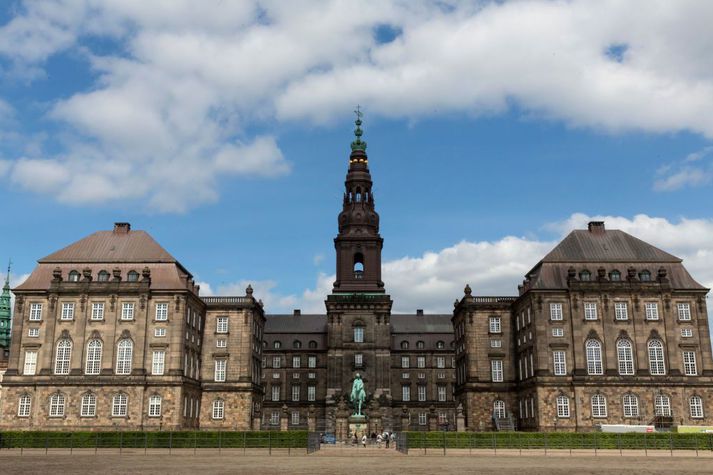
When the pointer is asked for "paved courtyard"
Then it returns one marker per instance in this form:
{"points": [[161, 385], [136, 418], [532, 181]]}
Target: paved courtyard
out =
{"points": [[328, 462]]}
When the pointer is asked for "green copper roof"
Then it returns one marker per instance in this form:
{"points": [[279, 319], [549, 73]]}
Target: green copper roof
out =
{"points": [[358, 143], [5, 312]]}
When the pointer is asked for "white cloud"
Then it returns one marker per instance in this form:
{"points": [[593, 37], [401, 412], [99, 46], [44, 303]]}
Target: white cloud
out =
{"points": [[692, 171], [176, 104]]}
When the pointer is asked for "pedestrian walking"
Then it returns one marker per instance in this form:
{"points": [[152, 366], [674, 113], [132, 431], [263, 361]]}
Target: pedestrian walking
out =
{"points": [[363, 440], [378, 440]]}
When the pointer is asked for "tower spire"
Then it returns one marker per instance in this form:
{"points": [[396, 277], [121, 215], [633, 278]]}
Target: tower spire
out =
{"points": [[358, 143], [5, 311]]}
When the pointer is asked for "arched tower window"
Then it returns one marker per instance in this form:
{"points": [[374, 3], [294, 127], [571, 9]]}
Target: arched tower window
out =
{"points": [[358, 265]]}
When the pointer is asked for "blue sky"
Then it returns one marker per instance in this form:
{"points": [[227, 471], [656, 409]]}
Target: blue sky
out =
{"points": [[493, 129]]}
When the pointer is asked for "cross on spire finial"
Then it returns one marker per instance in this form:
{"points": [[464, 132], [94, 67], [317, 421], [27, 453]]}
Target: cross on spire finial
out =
{"points": [[358, 143]]}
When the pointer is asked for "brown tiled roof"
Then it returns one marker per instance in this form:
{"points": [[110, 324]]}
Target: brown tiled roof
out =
{"points": [[109, 246], [410, 323], [608, 246], [303, 323]]}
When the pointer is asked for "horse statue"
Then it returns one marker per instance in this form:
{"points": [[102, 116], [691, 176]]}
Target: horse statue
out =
{"points": [[358, 395]]}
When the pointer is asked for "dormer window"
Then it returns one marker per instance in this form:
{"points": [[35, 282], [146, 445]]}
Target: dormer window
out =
{"points": [[103, 276], [585, 276], [404, 345], [132, 276], [74, 276], [440, 345], [615, 276], [645, 276], [277, 345]]}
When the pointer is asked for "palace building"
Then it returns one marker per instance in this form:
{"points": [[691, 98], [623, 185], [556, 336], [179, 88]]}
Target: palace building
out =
{"points": [[111, 332]]}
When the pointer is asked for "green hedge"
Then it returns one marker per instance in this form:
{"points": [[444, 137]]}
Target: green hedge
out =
{"points": [[558, 440], [137, 439]]}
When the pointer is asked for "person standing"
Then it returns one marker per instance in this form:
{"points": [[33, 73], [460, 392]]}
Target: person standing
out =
{"points": [[363, 440]]}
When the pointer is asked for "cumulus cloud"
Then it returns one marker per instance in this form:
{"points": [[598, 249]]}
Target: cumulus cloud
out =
{"points": [[180, 98]]}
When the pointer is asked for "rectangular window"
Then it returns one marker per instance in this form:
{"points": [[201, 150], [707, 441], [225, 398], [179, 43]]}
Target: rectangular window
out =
{"points": [[558, 332], [422, 418], [33, 332], [440, 362], [405, 375], [686, 332], [421, 392], [275, 361], [36, 312], [684, 311], [405, 393], [358, 360], [295, 393], [358, 334], [555, 311], [442, 394], [421, 361], [652, 311], [559, 360], [311, 376], [275, 393], [496, 370], [312, 361], [296, 360], [221, 325], [689, 363], [590, 310], [98, 311], [562, 406], [159, 332], [158, 362], [295, 418], [127, 311], [67, 311], [442, 418], [30, 363], [311, 393], [494, 325], [404, 361], [496, 343], [620, 311], [221, 343], [220, 370], [162, 312]]}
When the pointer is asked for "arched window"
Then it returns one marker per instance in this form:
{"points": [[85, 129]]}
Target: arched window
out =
{"points": [[695, 404], [94, 357], [615, 276], [594, 357], [218, 409], [358, 195], [599, 406], [312, 344], [103, 276], [63, 356], [296, 344], [89, 405], [277, 344], [440, 345], [644, 276], [631, 405], [119, 404], [155, 406], [404, 345], [662, 405], [625, 356], [132, 276], [656, 361], [358, 334], [585, 276], [24, 405], [264, 344], [499, 409], [124, 354], [562, 406], [74, 276], [420, 345], [57, 405], [358, 265]]}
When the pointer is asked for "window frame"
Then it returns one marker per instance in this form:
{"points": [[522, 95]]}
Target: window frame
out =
{"points": [[599, 406], [218, 409], [124, 357], [120, 405], [657, 357], [590, 311], [562, 407], [556, 314], [93, 363], [621, 311], [88, 405], [57, 405], [154, 406], [497, 373], [161, 312], [559, 367], [594, 353]]}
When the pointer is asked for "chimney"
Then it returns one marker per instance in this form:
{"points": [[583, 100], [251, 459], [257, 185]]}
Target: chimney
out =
{"points": [[296, 312], [419, 312], [596, 227], [122, 228]]}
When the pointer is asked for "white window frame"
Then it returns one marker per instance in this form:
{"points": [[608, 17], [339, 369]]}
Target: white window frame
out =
{"points": [[494, 325], [559, 362], [33, 332], [595, 366], [159, 332], [274, 418], [562, 407], [24, 405], [30, 366], [158, 362], [220, 370], [295, 393], [686, 332], [57, 404], [295, 418], [689, 363], [119, 405], [221, 324], [63, 356], [599, 406], [420, 361], [155, 405], [127, 310], [97, 311], [88, 406], [93, 364], [161, 312], [35, 312], [358, 359], [657, 363], [590, 310], [296, 361], [630, 403], [695, 407], [422, 392], [496, 371], [652, 310], [311, 392], [358, 334], [275, 392], [311, 361], [276, 361], [621, 311], [405, 362], [442, 391], [124, 356], [406, 392], [440, 362], [557, 332], [67, 311], [556, 312], [218, 409], [684, 311], [496, 343], [221, 343], [625, 357], [662, 405]]}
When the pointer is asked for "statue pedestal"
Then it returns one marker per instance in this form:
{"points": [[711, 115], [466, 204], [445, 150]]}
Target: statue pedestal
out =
{"points": [[358, 425]]}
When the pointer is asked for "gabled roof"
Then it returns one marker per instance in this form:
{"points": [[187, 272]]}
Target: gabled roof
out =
{"points": [[414, 323], [608, 246], [110, 246]]}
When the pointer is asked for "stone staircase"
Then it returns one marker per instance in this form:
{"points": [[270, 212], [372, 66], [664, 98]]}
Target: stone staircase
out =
{"points": [[504, 424]]}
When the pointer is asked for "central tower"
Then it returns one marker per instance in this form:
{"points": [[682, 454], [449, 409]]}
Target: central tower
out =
{"points": [[358, 243], [358, 309]]}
